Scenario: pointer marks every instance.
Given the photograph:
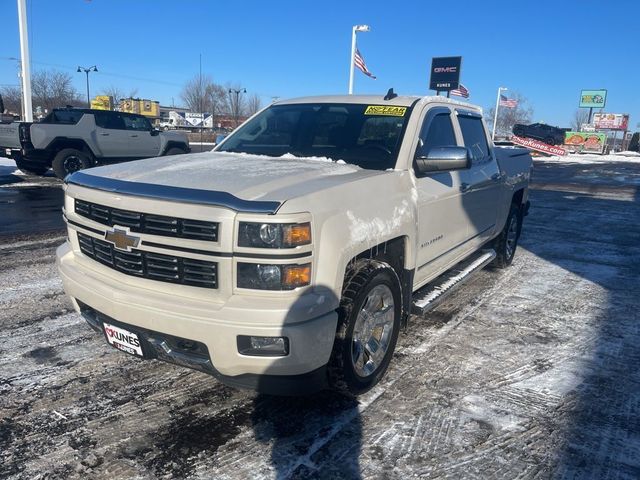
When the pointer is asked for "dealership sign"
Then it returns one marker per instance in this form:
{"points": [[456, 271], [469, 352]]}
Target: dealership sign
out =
{"points": [[586, 141], [593, 98], [445, 73], [611, 121], [538, 146]]}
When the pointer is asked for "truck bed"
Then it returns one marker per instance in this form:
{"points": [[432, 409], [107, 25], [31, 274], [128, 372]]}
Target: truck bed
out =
{"points": [[9, 136]]}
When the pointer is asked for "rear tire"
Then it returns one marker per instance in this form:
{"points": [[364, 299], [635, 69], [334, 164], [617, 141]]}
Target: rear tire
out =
{"points": [[506, 243], [30, 168], [550, 141], [369, 320], [70, 160], [175, 151]]}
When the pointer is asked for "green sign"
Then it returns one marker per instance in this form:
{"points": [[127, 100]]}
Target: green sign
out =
{"points": [[593, 98], [586, 141]]}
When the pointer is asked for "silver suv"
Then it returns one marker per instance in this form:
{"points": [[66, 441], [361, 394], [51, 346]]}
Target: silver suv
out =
{"points": [[72, 139]]}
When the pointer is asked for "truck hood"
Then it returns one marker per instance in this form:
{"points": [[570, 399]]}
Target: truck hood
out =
{"points": [[247, 177]]}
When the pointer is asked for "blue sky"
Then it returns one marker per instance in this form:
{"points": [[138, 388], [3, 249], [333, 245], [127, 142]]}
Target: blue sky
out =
{"points": [[546, 50]]}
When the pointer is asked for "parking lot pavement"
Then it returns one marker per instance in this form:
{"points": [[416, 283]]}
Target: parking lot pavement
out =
{"points": [[528, 372]]}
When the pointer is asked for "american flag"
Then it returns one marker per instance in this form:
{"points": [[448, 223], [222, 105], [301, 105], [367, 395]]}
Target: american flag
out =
{"points": [[461, 91], [359, 62], [508, 102]]}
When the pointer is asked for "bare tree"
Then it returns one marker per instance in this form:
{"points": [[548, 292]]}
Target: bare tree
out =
{"points": [[198, 92], [114, 92], [579, 117], [51, 89], [508, 117], [12, 96], [254, 104]]}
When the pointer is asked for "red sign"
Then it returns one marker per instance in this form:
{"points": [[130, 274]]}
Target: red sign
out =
{"points": [[611, 121], [538, 146]]}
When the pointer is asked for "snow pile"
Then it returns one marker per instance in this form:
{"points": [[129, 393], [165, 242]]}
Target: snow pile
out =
{"points": [[8, 167], [587, 158]]}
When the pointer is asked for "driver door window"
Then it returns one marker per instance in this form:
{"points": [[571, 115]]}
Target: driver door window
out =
{"points": [[437, 133]]}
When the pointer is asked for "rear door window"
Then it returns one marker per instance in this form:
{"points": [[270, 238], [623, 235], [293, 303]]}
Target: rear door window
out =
{"points": [[475, 137], [110, 120], [136, 123]]}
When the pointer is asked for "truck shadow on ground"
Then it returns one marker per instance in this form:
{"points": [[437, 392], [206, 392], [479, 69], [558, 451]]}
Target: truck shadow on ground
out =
{"points": [[595, 237], [318, 435]]}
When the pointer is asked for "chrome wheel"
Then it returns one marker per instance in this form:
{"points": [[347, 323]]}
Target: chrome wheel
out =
{"points": [[373, 330], [512, 236]]}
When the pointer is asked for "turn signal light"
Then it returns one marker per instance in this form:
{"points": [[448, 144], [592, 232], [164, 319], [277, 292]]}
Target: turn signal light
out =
{"points": [[296, 276], [299, 234]]}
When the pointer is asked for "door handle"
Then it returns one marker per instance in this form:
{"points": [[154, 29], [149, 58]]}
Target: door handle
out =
{"points": [[464, 187], [134, 135], [104, 134]]}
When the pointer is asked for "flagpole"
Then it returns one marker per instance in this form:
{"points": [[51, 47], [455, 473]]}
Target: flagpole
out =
{"points": [[354, 30], [353, 54], [495, 116]]}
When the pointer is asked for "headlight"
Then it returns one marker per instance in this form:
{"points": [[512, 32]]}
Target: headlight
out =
{"points": [[273, 235], [258, 276]]}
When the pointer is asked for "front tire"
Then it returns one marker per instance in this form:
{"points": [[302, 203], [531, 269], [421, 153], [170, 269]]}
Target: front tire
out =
{"points": [[369, 320], [506, 243], [70, 160]]}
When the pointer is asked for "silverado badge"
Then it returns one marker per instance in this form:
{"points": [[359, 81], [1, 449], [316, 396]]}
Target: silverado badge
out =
{"points": [[121, 239]]}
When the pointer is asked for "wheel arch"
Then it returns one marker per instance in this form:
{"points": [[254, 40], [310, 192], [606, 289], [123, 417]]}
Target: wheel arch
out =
{"points": [[60, 143], [393, 252], [175, 144]]}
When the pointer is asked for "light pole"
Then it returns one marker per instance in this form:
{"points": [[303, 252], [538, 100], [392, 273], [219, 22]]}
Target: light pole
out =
{"points": [[354, 30], [495, 116], [87, 70], [236, 106], [25, 64]]}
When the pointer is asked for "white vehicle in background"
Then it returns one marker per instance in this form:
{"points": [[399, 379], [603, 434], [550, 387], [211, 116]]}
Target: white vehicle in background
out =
{"points": [[287, 259], [72, 139]]}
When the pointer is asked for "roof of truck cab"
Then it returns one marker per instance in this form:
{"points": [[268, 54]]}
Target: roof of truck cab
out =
{"points": [[400, 100]]}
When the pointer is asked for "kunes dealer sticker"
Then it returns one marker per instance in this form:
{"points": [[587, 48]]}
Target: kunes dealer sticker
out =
{"points": [[385, 110], [123, 339]]}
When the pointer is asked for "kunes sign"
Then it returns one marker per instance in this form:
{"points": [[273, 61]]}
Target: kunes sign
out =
{"points": [[445, 73]]}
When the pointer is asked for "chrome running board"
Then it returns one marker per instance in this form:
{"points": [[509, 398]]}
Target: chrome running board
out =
{"points": [[429, 296]]}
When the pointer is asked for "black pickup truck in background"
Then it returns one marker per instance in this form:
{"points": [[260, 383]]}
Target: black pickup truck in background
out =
{"points": [[541, 131]]}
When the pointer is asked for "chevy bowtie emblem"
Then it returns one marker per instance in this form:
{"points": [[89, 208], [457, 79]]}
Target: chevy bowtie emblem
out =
{"points": [[121, 239]]}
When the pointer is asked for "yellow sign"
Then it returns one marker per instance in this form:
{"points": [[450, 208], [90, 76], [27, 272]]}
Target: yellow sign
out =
{"points": [[385, 110]]}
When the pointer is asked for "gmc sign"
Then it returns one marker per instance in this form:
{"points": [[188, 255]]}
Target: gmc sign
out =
{"points": [[445, 73]]}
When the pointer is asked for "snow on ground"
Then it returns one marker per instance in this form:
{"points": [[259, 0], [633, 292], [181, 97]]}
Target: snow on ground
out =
{"points": [[529, 372], [8, 167], [631, 157]]}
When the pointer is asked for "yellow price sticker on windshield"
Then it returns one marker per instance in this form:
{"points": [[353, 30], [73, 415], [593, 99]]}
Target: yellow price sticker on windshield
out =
{"points": [[385, 110]]}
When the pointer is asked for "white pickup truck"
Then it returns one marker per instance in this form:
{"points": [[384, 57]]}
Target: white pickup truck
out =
{"points": [[288, 259]]}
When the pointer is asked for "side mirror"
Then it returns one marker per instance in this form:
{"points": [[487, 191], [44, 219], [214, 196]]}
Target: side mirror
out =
{"points": [[155, 132], [444, 159]]}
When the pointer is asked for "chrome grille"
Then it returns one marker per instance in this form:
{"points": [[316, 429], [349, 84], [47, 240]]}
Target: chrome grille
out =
{"points": [[149, 223], [154, 266]]}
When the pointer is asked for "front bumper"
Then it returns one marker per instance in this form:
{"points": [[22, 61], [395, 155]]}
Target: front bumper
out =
{"points": [[311, 339]]}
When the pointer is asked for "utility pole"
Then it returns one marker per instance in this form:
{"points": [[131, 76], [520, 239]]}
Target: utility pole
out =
{"points": [[86, 71], [27, 115], [236, 106]]}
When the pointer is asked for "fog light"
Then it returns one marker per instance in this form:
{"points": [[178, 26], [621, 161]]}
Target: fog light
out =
{"points": [[263, 346]]}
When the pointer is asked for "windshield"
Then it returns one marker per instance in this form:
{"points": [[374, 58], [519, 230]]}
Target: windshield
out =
{"points": [[365, 135]]}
